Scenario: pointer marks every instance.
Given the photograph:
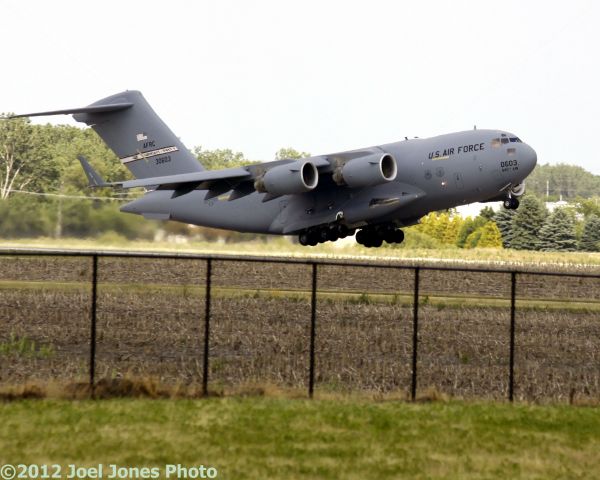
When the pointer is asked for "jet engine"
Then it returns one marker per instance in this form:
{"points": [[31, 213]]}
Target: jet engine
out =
{"points": [[518, 190], [288, 179], [366, 171]]}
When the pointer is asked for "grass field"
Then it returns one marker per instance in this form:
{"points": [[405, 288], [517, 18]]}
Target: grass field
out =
{"points": [[260, 437]]}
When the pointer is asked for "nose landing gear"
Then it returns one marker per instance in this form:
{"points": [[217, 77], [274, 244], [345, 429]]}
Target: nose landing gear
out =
{"points": [[511, 203]]}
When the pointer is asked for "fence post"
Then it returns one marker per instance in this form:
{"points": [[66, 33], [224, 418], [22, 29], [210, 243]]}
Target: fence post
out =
{"points": [[511, 361], [206, 326], [93, 324], [413, 386], [313, 325]]}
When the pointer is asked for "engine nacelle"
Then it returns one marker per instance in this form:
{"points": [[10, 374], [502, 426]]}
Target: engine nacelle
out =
{"points": [[518, 190], [366, 171], [288, 179]]}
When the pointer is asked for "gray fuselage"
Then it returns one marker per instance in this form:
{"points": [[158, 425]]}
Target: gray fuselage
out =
{"points": [[433, 174]]}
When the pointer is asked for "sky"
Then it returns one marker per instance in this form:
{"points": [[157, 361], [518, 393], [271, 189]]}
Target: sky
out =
{"points": [[318, 76]]}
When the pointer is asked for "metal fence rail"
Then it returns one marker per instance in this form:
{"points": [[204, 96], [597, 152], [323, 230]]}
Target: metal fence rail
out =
{"points": [[315, 266]]}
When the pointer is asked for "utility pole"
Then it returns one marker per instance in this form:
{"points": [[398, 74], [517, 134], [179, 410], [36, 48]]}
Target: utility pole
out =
{"points": [[59, 214]]}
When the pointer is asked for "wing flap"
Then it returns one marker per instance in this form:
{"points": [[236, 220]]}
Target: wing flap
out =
{"points": [[180, 180]]}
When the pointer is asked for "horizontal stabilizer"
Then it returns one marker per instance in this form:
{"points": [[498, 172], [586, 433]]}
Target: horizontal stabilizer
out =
{"points": [[94, 179], [115, 107]]}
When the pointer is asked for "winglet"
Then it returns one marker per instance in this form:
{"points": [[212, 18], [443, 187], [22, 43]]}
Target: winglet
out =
{"points": [[94, 179]]}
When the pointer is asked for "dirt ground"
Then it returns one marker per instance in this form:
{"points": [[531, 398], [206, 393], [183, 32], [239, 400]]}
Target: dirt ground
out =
{"points": [[150, 322]]}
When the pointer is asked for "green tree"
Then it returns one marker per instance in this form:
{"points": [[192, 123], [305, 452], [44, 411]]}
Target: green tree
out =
{"points": [[590, 238], [503, 219], [220, 158], [558, 232], [288, 152], [451, 233], [526, 224], [473, 239], [588, 206], [490, 236], [469, 226], [568, 181], [427, 224], [25, 216], [487, 212], [64, 145], [441, 226], [23, 155]]}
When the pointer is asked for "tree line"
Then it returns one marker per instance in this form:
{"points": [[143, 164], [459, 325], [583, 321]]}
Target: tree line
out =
{"points": [[568, 228], [569, 182]]}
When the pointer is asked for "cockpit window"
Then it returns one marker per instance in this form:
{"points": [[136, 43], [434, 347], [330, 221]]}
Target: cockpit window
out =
{"points": [[503, 139]]}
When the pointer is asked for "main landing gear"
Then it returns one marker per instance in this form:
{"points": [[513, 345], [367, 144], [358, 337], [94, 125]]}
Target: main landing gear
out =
{"points": [[325, 233], [368, 236], [511, 203], [375, 236]]}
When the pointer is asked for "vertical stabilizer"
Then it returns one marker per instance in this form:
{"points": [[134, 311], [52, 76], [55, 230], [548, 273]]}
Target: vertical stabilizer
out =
{"points": [[137, 135]]}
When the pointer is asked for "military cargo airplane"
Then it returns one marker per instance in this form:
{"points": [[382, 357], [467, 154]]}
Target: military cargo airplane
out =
{"points": [[372, 192]]}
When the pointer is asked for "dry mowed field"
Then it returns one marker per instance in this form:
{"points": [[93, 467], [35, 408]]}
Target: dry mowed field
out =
{"points": [[151, 323]]}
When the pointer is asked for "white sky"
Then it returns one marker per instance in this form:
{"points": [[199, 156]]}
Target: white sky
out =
{"points": [[319, 76]]}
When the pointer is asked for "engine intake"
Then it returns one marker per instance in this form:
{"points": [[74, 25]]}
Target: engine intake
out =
{"points": [[288, 179], [366, 171]]}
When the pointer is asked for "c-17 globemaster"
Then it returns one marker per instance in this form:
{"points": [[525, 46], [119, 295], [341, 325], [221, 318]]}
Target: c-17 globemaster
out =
{"points": [[372, 191]]}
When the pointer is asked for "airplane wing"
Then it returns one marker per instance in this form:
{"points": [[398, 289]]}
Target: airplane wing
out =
{"points": [[181, 183], [281, 177]]}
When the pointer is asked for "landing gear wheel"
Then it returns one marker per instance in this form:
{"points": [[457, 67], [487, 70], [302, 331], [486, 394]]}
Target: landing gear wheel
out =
{"points": [[398, 236], [342, 231], [388, 235], [511, 203], [303, 239], [361, 237], [332, 233], [313, 239], [322, 235]]}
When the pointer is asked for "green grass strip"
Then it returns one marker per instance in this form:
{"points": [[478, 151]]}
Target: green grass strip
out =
{"points": [[257, 438]]}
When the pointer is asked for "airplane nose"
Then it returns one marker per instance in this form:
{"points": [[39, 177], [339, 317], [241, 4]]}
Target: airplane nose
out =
{"points": [[529, 159]]}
